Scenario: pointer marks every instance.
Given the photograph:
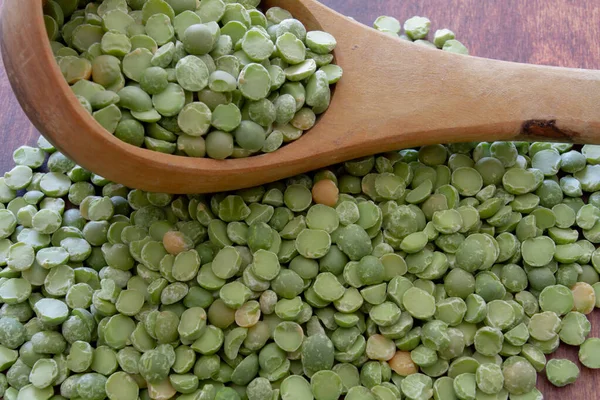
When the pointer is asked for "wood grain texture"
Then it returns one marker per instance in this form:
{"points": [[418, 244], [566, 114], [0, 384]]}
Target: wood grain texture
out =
{"points": [[15, 128], [553, 32]]}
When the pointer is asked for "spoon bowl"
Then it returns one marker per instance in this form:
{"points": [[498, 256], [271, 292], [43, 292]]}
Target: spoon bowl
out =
{"points": [[394, 94]]}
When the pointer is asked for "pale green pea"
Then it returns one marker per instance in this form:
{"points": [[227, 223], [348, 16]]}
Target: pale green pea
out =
{"points": [[588, 353], [414, 243], [519, 181], [236, 30], [500, 314], [443, 389], [454, 46], [519, 375], [465, 386], [418, 303], [219, 145], [31, 392], [326, 385], [130, 302], [455, 348], [334, 73], [313, 243], [290, 48], [227, 263], [424, 356], [55, 184], [467, 180], [13, 333], [575, 327], [302, 71], [257, 45], [263, 112], [288, 336], [317, 353], [186, 265], [296, 387], [20, 256], [173, 293], [535, 356], [571, 186], [435, 335], [318, 93], [254, 82], [417, 386], [557, 298], [463, 365], [370, 270], [561, 372], [517, 336], [226, 117], [327, 287], [171, 101], [19, 177], [46, 221], [538, 251], [452, 310], [588, 178], [234, 294], [289, 309], [121, 386], [385, 314], [118, 330], [8, 223], [250, 136], [548, 161], [80, 357], [195, 119], [441, 36], [221, 81], [488, 341], [447, 221]]}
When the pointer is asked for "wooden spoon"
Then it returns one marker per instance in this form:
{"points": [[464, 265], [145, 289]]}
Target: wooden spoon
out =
{"points": [[394, 94]]}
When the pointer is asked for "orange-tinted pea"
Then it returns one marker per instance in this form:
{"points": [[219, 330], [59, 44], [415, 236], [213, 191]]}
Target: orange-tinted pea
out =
{"points": [[176, 242], [402, 364], [325, 192]]}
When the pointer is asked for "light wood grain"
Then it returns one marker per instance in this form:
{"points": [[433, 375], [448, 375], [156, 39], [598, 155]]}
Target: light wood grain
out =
{"points": [[554, 32]]}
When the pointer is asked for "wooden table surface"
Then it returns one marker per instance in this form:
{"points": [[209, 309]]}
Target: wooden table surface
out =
{"points": [[554, 32]]}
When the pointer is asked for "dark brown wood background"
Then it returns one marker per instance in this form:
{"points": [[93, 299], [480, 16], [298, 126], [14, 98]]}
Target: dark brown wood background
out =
{"points": [[554, 32]]}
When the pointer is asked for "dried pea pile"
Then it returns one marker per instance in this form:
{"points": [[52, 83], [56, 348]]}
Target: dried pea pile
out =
{"points": [[416, 30], [445, 272], [213, 78]]}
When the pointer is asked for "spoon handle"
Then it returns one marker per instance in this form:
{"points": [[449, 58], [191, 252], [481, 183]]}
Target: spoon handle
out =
{"points": [[396, 94]]}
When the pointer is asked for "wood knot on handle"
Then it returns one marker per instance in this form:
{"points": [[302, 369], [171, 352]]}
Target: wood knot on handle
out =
{"points": [[546, 130]]}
